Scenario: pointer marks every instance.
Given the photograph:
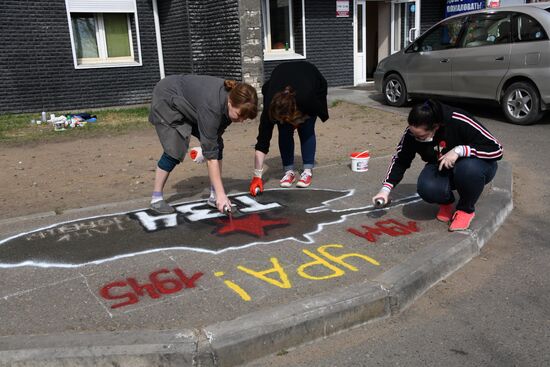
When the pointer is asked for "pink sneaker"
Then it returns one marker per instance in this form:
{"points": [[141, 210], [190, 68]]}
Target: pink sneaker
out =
{"points": [[445, 213], [461, 221], [305, 180], [288, 179]]}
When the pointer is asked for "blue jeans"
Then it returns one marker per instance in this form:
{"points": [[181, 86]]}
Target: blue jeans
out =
{"points": [[308, 143], [468, 177]]}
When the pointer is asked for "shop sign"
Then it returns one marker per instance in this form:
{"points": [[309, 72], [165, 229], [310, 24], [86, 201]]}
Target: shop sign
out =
{"points": [[454, 7], [342, 8]]}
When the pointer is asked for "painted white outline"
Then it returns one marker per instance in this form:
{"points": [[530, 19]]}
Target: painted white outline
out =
{"points": [[323, 207]]}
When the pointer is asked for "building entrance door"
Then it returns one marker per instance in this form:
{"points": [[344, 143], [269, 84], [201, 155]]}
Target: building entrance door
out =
{"points": [[360, 43], [405, 27]]}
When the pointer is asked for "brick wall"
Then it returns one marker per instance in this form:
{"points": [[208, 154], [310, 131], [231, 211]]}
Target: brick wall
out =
{"points": [[36, 62], [215, 38], [329, 42], [431, 12], [176, 43], [251, 42]]}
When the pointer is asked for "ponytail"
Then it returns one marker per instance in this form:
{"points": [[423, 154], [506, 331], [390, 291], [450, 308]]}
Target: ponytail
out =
{"points": [[229, 84]]}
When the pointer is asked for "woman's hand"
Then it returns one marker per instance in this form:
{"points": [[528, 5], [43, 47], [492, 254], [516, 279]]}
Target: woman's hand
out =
{"points": [[215, 173], [383, 196], [256, 186], [223, 203], [448, 160]]}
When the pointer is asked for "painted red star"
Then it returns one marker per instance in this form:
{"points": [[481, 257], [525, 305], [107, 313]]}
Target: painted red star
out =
{"points": [[251, 224]]}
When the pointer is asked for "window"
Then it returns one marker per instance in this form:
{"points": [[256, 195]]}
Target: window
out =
{"points": [[441, 37], [104, 33], [528, 29], [487, 29], [284, 29]]}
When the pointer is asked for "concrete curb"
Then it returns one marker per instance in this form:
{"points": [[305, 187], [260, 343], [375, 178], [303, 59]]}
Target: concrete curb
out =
{"points": [[268, 331], [142, 348], [251, 336]]}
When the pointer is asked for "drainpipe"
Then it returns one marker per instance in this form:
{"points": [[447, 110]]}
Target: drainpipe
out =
{"points": [[159, 40]]}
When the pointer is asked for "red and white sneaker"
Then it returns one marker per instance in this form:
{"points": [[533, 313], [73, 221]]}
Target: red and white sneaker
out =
{"points": [[288, 179], [305, 180], [461, 221]]}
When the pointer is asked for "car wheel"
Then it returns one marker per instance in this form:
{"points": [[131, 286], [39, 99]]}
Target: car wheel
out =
{"points": [[395, 91], [521, 104]]}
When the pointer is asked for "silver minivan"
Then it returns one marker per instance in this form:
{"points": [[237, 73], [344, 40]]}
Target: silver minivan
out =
{"points": [[493, 54]]}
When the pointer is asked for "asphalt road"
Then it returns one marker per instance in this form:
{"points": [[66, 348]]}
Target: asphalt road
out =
{"points": [[495, 311]]}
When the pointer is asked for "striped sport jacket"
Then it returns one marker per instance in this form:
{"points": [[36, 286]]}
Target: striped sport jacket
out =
{"points": [[459, 129]]}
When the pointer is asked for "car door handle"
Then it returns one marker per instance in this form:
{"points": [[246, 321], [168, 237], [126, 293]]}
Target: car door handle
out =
{"points": [[444, 60], [500, 58]]}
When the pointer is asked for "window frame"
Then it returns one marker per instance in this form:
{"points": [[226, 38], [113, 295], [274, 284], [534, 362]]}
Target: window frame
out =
{"points": [[281, 54], [103, 61]]}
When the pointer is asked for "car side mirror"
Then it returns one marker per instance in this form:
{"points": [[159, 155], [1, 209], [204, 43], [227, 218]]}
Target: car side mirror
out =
{"points": [[413, 48]]}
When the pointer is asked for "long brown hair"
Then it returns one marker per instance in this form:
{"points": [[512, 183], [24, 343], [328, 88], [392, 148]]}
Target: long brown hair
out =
{"points": [[283, 106], [244, 97]]}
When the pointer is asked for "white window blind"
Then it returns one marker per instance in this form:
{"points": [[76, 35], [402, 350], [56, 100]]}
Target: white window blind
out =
{"points": [[101, 6]]}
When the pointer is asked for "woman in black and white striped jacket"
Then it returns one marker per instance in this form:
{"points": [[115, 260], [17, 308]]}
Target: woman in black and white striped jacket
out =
{"points": [[460, 154]]}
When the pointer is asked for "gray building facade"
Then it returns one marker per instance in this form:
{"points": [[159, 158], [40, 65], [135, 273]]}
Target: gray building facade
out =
{"points": [[64, 55]]}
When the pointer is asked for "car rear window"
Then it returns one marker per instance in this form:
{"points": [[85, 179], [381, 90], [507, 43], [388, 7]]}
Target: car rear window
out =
{"points": [[528, 29]]}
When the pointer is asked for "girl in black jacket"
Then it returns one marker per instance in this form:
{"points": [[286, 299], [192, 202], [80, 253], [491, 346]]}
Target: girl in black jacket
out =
{"points": [[294, 96], [460, 153]]}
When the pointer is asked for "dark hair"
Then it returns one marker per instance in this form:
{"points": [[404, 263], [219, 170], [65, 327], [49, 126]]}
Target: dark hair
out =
{"points": [[244, 97], [427, 115], [283, 106]]}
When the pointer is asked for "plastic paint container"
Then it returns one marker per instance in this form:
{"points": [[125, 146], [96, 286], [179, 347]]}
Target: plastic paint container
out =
{"points": [[360, 161]]}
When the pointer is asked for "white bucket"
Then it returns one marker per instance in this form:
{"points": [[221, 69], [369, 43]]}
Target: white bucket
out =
{"points": [[360, 161]]}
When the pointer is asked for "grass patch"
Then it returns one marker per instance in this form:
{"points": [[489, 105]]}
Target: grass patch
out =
{"points": [[335, 103], [17, 128]]}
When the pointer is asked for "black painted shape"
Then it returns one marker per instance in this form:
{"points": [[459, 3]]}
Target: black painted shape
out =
{"points": [[106, 238]]}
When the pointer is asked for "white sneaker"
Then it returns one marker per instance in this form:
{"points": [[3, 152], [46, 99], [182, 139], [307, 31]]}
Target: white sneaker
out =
{"points": [[212, 202], [288, 179]]}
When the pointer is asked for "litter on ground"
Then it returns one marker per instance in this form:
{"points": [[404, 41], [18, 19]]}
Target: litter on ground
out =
{"points": [[69, 121]]}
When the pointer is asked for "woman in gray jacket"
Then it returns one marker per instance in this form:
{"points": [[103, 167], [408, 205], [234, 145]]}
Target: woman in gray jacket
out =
{"points": [[202, 106]]}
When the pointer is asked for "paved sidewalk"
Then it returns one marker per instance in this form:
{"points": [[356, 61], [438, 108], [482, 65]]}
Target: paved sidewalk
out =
{"points": [[116, 285]]}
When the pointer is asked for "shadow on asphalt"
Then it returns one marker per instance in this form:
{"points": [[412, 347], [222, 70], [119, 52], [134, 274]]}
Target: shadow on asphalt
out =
{"points": [[201, 184], [422, 211], [488, 110]]}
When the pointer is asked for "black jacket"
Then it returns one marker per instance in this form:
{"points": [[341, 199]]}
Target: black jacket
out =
{"points": [[458, 129], [311, 95]]}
